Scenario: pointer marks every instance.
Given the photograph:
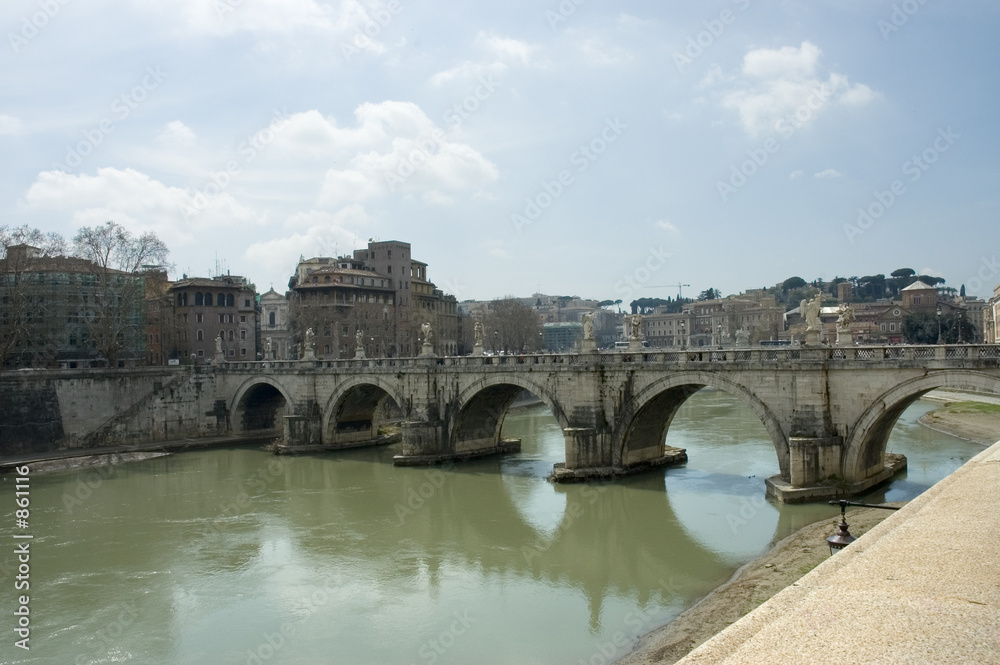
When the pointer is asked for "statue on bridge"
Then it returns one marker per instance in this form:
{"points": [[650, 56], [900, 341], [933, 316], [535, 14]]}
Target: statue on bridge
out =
{"points": [[309, 345], [810, 309], [427, 349], [588, 324], [844, 336], [477, 332], [635, 325], [742, 338], [359, 344]]}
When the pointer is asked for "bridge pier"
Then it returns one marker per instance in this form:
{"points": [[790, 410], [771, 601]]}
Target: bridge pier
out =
{"points": [[426, 443], [589, 456], [815, 472]]}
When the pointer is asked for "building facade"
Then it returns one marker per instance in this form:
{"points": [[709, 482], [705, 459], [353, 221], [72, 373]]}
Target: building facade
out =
{"points": [[379, 297], [58, 311], [202, 310], [275, 334]]}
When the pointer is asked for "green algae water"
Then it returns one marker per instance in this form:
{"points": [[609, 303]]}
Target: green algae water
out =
{"points": [[235, 556]]}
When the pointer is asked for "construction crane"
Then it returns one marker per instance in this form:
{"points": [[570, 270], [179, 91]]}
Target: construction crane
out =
{"points": [[680, 289]]}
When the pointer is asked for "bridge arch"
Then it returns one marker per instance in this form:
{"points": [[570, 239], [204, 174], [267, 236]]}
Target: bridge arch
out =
{"points": [[867, 438], [482, 407], [355, 410], [259, 404], [641, 430]]}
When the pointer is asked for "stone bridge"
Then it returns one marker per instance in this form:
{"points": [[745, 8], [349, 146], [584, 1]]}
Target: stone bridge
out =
{"points": [[828, 410]]}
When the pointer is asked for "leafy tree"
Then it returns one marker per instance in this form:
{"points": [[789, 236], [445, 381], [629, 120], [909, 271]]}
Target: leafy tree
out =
{"points": [[922, 328], [119, 260], [903, 272], [708, 294], [792, 283]]}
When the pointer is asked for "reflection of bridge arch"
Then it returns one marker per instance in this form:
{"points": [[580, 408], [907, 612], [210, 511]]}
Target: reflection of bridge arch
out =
{"points": [[353, 412], [867, 438], [258, 404], [483, 405], [641, 431]]}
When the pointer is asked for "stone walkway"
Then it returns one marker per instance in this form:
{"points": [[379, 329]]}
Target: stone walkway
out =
{"points": [[921, 587]]}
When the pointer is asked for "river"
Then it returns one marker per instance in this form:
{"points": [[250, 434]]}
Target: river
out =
{"points": [[233, 556]]}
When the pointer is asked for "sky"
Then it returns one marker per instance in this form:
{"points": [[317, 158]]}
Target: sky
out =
{"points": [[609, 150]]}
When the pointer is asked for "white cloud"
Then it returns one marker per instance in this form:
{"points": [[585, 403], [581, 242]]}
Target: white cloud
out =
{"points": [[315, 233], [396, 148], [828, 173], [785, 86], [667, 226], [176, 134], [599, 52], [468, 70], [507, 48], [9, 125], [795, 174], [137, 202]]}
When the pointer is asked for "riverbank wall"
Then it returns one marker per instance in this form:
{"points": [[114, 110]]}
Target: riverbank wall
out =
{"points": [[919, 587], [56, 411]]}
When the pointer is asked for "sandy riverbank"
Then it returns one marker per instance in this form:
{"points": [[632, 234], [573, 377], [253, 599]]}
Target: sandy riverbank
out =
{"points": [[750, 586], [972, 421]]}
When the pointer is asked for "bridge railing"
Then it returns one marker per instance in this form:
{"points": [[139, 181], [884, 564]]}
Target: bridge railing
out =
{"points": [[755, 355]]}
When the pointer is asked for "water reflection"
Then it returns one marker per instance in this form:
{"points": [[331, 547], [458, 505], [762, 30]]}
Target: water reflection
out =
{"points": [[227, 555]]}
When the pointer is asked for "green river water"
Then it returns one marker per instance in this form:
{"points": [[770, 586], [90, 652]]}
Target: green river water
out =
{"points": [[234, 556]]}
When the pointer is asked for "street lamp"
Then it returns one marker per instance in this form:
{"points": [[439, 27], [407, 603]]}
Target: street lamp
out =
{"points": [[683, 337], [843, 538], [939, 325]]}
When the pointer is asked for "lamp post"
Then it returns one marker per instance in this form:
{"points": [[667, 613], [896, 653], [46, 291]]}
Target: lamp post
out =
{"points": [[939, 325], [843, 537], [683, 337]]}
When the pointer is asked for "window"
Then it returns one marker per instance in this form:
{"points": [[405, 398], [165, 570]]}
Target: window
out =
{"points": [[243, 319], [232, 335], [916, 300], [199, 318], [892, 327], [232, 352], [222, 334], [222, 318], [246, 302], [201, 352], [199, 299], [270, 318], [208, 300], [243, 334], [243, 352], [200, 336], [232, 318], [229, 300]]}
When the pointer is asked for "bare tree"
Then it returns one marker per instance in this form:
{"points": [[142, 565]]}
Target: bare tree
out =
{"points": [[23, 304], [512, 327], [119, 260]]}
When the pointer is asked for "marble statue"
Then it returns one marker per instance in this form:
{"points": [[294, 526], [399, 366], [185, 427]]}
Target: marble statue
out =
{"points": [[588, 325], [477, 330], [846, 318], [635, 321], [809, 309]]}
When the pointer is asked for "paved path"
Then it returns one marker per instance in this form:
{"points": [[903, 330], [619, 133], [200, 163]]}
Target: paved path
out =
{"points": [[921, 587], [959, 396]]}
